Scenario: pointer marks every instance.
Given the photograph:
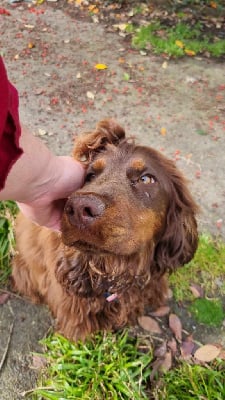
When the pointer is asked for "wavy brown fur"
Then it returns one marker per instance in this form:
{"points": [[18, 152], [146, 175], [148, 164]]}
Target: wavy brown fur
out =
{"points": [[131, 224]]}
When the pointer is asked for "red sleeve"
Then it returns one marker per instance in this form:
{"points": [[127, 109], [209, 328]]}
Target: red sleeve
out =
{"points": [[9, 125]]}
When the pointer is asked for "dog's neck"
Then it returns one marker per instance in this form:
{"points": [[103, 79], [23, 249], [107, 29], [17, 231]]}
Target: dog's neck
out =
{"points": [[90, 275]]}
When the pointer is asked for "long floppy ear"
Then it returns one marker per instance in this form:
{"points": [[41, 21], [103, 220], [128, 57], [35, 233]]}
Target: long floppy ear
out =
{"points": [[179, 242], [87, 145]]}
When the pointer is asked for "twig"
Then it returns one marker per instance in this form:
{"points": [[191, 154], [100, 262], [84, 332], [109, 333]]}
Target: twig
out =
{"points": [[23, 394], [7, 347], [13, 294]]}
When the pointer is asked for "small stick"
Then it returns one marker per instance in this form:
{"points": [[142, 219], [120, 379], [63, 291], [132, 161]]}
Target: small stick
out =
{"points": [[7, 347]]}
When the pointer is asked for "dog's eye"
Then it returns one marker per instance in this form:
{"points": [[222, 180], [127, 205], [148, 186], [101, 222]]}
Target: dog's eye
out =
{"points": [[146, 179], [90, 176]]}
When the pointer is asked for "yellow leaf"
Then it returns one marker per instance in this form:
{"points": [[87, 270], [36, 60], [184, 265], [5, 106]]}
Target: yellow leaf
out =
{"points": [[189, 52], [93, 8], [213, 4], [179, 44], [101, 66], [163, 131], [121, 27], [30, 45]]}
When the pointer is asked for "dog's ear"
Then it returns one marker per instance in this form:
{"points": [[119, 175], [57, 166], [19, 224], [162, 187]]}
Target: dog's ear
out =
{"points": [[106, 132], [180, 239]]}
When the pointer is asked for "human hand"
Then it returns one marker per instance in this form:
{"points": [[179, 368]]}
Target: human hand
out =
{"points": [[63, 176]]}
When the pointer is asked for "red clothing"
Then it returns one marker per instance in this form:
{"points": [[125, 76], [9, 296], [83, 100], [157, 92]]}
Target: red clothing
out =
{"points": [[9, 126]]}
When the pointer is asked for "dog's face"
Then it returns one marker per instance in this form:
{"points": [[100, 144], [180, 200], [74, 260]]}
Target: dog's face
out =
{"points": [[133, 200], [122, 206]]}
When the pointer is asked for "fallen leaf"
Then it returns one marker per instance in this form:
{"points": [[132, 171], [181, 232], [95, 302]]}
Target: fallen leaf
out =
{"points": [[172, 345], [163, 131], [196, 290], [179, 44], [219, 223], [4, 297], [126, 76], [164, 64], [90, 95], [149, 324], [213, 4], [161, 311], [93, 8], [121, 27], [167, 362], [39, 361], [101, 66], [3, 11], [30, 45], [198, 174], [175, 326], [28, 26], [42, 132], [161, 365], [207, 353], [189, 52], [187, 348], [161, 350]]}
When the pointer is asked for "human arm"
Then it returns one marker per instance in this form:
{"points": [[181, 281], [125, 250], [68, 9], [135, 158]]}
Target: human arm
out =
{"points": [[40, 181]]}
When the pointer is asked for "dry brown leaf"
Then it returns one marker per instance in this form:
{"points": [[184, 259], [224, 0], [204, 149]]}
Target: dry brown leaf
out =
{"points": [[39, 361], [175, 326], [4, 297], [207, 353], [187, 348], [161, 311], [149, 324], [222, 354], [196, 290], [172, 345], [167, 362], [161, 350]]}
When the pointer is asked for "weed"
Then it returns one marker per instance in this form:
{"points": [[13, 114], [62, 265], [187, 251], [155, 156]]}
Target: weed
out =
{"points": [[190, 382], [107, 366], [177, 40], [8, 210]]}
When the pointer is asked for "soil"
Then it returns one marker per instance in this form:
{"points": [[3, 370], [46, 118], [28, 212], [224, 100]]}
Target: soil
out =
{"points": [[177, 107]]}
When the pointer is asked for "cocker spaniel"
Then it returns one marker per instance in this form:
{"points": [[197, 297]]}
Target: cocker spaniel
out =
{"points": [[131, 223]]}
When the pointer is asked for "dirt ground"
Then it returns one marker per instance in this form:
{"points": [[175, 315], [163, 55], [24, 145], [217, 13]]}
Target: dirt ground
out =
{"points": [[178, 107]]}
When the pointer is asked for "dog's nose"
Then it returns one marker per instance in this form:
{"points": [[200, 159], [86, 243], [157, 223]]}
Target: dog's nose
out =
{"points": [[84, 209]]}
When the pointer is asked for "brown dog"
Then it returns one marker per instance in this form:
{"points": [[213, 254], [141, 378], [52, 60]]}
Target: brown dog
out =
{"points": [[131, 223]]}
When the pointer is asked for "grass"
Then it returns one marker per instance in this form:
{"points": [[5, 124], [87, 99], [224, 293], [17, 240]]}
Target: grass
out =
{"points": [[179, 40], [206, 269], [193, 382], [208, 312], [105, 367], [8, 210]]}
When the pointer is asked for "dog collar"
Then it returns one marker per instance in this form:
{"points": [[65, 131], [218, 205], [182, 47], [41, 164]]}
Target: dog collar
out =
{"points": [[110, 296]]}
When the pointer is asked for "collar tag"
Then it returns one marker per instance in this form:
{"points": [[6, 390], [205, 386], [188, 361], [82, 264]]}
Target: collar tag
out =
{"points": [[110, 297]]}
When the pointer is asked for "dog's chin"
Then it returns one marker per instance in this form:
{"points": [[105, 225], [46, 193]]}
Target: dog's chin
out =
{"points": [[88, 248], [91, 248]]}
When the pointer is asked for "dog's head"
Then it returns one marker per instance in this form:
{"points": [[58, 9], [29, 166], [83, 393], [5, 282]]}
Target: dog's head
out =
{"points": [[134, 202]]}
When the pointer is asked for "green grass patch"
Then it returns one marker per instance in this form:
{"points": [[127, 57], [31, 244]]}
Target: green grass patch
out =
{"points": [[107, 366], [8, 210], [178, 40], [209, 312], [206, 269], [193, 382]]}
